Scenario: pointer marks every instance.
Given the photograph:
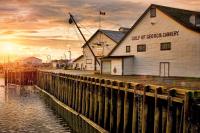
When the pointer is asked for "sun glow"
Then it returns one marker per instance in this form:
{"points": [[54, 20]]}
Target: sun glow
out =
{"points": [[9, 47]]}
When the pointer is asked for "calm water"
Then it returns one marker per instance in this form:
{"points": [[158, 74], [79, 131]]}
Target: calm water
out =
{"points": [[25, 110]]}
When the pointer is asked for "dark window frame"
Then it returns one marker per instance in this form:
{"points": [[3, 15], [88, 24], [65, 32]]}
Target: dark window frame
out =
{"points": [[90, 61], [165, 46], [141, 48], [128, 49], [153, 12]]}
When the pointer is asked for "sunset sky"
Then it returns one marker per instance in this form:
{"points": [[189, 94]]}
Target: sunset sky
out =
{"points": [[40, 27]]}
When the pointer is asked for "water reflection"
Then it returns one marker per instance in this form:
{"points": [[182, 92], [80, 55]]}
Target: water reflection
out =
{"points": [[75, 121], [24, 110]]}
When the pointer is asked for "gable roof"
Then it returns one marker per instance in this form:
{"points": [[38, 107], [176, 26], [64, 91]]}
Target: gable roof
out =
{"points": [[179, 15], [116, 36], [78, 58], [32, 58]]}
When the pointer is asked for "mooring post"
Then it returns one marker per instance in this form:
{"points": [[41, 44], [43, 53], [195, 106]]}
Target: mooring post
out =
{"points": [[101, 101], [91, 105], [134, 119], [84, 85], [87, 97], [127, 111], [157, 110], [76, 92], [120, 97], [80, 94], [96, 91], [186, 112], [170, 121], [113, 109], [107, 106], [144, 109]]}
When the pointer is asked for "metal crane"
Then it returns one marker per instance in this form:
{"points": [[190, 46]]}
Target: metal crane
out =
{"points": [[72, 20]]}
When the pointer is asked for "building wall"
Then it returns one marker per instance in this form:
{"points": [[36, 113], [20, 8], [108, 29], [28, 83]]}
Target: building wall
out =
{"points": [[184, 56], [79, 63], [109, 45], [106, 67], [116, 66], [128, 66], [88, 56]]}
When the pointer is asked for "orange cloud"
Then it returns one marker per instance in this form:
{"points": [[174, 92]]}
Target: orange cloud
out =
{"points": [[44, 23]]}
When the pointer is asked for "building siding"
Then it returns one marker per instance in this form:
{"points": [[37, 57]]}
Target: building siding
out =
{"points": [[110, 44], [184, 56], [116, 64], [128, 66]]}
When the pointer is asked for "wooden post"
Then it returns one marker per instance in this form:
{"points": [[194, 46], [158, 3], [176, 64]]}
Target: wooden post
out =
{"points": [[127, 109], [186, 112], [84, 87], [107, 106], [91, 105], [113, 110], [95, 93], [87, 98], [134, 119], [80, 95], [120, 102], [157, 111], [144, 110], [101, 98], [169, 111]]}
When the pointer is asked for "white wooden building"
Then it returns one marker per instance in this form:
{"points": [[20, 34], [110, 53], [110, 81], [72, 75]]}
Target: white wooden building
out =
{"points": [[79, 63], [98, 46], [164, 41]]}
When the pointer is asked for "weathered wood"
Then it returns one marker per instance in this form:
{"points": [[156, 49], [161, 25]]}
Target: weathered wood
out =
{"points": [[144, 110], [169, 112], [107, 107], [111, 104], [91, 105], [120, 104], [96, 106], [186, 112], [101, 97], [87, 100], [134, 119], [157, 111], [113, 110]]}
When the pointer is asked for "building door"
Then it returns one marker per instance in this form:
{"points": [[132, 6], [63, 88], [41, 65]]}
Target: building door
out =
{"points": [[106, 67], [164, 69]]}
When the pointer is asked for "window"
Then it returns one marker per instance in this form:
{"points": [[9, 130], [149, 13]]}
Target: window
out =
{"points": [[128, 49], [153, 12], [165, 46], [88, 61], [141, 48]]}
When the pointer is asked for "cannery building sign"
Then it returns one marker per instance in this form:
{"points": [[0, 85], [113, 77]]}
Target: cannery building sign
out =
{"points": [[156, 35]]}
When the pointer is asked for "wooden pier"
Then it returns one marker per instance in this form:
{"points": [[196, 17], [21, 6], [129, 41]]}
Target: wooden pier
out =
{"points": [[121, 107], [21, 76]]}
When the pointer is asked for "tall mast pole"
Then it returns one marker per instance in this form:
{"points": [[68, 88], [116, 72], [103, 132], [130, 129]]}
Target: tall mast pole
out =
{"points": [[72, 18]]}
